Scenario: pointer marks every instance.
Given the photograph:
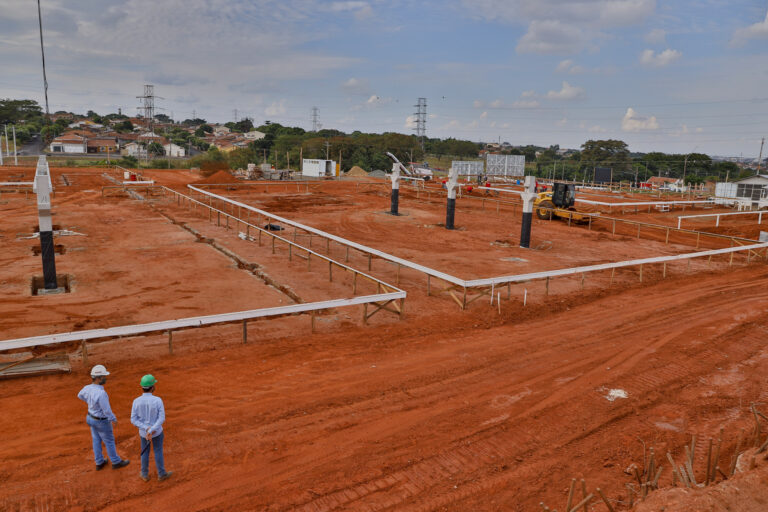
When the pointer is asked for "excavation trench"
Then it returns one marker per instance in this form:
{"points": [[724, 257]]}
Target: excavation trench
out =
{"points": [[253, 268]]}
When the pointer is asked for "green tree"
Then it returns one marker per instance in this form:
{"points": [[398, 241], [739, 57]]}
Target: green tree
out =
{"points": [[155, 148]]}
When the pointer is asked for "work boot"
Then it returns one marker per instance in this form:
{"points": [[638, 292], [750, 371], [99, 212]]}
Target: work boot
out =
{"points": [[121, 464], [99, 467], [144, 477], [166, 476]]}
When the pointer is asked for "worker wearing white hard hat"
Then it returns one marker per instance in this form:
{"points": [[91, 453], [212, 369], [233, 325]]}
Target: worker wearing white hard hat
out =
{"points": [[100, 418]]}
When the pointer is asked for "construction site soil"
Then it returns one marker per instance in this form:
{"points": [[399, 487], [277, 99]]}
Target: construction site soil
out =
{"points": [[492, 408]]}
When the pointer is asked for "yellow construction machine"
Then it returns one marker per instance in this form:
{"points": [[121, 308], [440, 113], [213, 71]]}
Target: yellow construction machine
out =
{"points": [[558, 203]]}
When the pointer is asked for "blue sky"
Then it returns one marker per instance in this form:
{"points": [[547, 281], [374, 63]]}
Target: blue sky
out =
{"points": [[680, 76]]}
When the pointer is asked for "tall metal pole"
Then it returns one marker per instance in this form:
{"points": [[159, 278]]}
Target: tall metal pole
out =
{"points": [[7, 144], [15, 157], [760, 158], [42, 52]]}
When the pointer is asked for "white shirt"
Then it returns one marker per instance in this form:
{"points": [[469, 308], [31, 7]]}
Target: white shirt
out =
{"points": [[98, 401], [148, 414]]}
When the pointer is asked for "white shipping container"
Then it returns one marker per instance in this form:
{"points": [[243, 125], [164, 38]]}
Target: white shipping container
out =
{"points": [[318, 168]]}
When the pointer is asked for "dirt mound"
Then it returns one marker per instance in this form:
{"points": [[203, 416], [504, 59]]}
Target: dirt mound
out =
{"points": [[357, 171], [218, 177]]}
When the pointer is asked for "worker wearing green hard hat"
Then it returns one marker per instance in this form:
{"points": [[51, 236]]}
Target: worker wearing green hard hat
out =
{"points": [[148, 414], [147, 381]]}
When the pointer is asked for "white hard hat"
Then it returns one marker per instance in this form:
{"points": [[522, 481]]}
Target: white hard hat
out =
{"points": [[99, 371]]}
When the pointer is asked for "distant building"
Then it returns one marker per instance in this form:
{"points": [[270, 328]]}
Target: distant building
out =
{"points": [[220, 129], [134, 149], [69, 143], [254, 135], [173, 150], [101, 145]]}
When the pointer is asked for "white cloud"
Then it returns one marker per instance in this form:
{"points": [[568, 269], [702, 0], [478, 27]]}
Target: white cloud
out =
{"points": [[496, 104], [659, 60], [567, 93], [528, 94], [562, 122], [656, 36], [276, 108], [478, 104], [357, 86], [633, 122], [484, 115], [410, 123], [567, 66], [559, 26], [755, 31], [551, 37]]}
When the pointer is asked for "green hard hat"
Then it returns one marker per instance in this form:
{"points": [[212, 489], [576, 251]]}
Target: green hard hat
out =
{"points": [[148, 381]]}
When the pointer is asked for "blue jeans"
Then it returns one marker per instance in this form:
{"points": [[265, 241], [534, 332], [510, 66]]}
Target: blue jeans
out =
{"points": [[101, 432], [157, 447]]}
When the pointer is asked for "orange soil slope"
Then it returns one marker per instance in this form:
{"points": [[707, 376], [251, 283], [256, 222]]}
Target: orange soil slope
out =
{"points": [[465, 412]]}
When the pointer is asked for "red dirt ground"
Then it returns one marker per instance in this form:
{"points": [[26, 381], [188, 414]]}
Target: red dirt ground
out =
{"points": [[446, 410]]}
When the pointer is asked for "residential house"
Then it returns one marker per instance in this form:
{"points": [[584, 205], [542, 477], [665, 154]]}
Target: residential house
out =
{"points": [[69, 143], [134, 149], [173, 150], [220, 129], [102, 145]]}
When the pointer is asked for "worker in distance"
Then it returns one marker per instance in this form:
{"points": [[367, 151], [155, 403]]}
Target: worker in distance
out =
{"points": [[100, 419]]}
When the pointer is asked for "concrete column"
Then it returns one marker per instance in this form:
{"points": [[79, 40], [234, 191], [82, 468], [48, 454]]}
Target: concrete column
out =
{"points": [[528, 196], [43, 190], [453, 177], [395, 199]]}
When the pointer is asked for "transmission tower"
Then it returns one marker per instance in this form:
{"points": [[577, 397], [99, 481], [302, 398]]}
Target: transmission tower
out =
{"points": [[234, 113], [315, 118], [421, 120], [148, 105]]}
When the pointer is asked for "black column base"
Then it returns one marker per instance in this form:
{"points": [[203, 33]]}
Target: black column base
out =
{"points": [[49, 261], [395, 201], [450, 213], [525, 231]]}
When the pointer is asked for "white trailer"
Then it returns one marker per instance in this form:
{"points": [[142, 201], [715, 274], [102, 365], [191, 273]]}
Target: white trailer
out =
{"points": [[318, 168]]}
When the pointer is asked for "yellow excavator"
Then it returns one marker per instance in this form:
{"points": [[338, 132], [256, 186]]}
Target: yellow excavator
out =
{"points": [[558, 203]]}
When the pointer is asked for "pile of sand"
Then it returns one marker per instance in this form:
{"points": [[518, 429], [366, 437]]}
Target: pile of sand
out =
{"points": [[356, 171], [218, 177]]}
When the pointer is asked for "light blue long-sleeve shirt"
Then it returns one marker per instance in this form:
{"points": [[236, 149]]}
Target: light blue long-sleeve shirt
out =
{"points": [[148, 414], [98, 401]]}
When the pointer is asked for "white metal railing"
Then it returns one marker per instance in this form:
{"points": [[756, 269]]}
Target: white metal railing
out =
{"points": [[759, 214], [486, 282]]}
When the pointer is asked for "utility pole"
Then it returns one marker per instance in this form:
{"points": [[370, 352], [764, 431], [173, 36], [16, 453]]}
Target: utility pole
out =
{"points": [[327, 149], [234, 113], [194, 114], [759, 158], [16, 159], [42, 52]]}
